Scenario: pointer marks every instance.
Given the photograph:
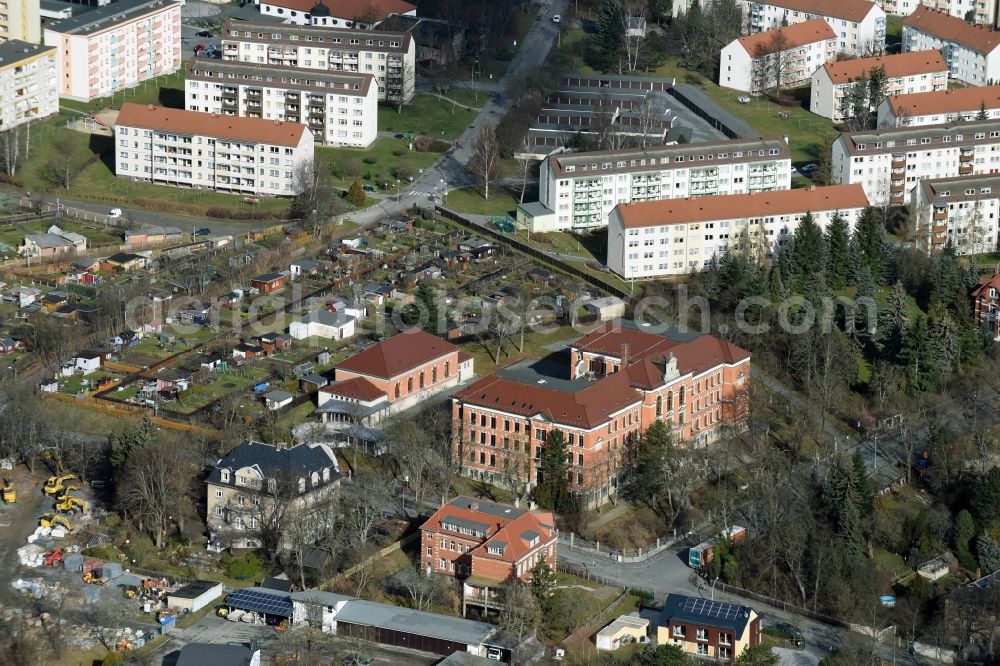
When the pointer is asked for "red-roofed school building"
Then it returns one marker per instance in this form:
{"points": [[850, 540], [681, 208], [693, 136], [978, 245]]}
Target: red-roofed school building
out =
{"points": [[619, 382]]}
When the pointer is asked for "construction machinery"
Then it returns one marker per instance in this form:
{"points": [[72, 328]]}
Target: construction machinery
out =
{"points": [[57, 484], [55, 520], [94, 577], [70, 504], [9, 494], [55, 557]]}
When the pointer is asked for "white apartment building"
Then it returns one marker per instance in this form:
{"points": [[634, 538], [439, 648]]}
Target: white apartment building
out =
{"points": [[21, 20], [859, 24], [944, 106], [363, 14], [921, 71], [889, 163], [250, 156], [340, 109], [962, 211], [391, 57], [116, 46], [579, 190], [971, 51], [656, 239], [27, 83], [789, 56], [983, 12]]}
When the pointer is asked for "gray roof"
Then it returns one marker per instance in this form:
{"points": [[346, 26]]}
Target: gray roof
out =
{"points": [[535, 208], [279, 396], [197, 588], [108, 16], [318, 380], [349, 408], [422, 623], [696, 610], [307, 264], [328, 318], [47, 240], [463, 522], [308, 79], [486, 506], [466, 659], [15, 49], [298, 460], [199, 654], [319, 597]]}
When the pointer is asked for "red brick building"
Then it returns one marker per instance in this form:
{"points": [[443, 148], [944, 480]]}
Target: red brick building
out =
{"points": [[485, 544], [986, 305], [409, 367], [619, 382], [269, 282]]}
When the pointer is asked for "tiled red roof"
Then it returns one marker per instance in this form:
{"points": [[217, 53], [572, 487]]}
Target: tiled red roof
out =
{"points": [[401, 353], [896, 65], [358, 388], [849, 10], [609, 339], [787, 37], [985, 284], [953, 29], [512, 535], [258, 130]]}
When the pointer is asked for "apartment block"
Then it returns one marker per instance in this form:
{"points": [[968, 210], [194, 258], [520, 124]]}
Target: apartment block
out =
{"points": [[388, 56], [621, 380], [485, 545], [784, 56], [962, 212], [27, 83], [579, 190], [971, 51], [859, 24], [361, 14], [957, 8], [889, 163], [657, 239], [249, 156], [340, 109], [116, 46], [943, 106], [921, 71], [21, 20]]}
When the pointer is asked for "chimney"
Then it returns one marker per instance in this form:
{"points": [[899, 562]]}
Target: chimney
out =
{"points": [[624, 355], [474, 506], [150, 107]]}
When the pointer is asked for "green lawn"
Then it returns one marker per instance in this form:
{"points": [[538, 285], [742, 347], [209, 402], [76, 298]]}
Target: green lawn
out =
{"points": [[467, 96], [222, 384], [166, 90], [377, 164], [470, 200], [429, 116], [588, 246], [535, 346]]}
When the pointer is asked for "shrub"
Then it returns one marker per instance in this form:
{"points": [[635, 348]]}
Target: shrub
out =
{"points": [[402, 172], [370, 159], [101, 553], [356, 195], [247, 567], [399, 152], [439, 146]]}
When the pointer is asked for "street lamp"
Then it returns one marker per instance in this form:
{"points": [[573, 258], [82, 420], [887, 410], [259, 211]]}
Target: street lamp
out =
{"points": [[397, 195], [444, 192]]}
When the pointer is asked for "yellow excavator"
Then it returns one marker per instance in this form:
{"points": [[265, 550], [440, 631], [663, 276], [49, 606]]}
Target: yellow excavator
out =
{"points": [[69, 504], [9, 494], [56, 484], [50, 520]]}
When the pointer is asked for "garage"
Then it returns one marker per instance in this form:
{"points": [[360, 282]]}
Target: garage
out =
{"points": [[258, 606], [194, 596]]}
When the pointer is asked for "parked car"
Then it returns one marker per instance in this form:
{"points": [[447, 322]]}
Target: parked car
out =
{"points": [[808, 169], [199, 48], [743, 99], [115, 212], [556, 18], [368, 188], [203, 33], [204, 231], [185, 40]]}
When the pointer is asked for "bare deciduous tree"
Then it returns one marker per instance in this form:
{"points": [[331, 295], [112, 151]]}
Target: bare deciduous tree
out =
{"points": [[423, 588], [485, 161], [524, 161], [155, 477]]}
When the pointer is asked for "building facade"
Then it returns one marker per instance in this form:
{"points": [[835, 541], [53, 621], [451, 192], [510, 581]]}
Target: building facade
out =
{"points": [[388, 56], [961, 212], [27, 83], [906, 73], [21, 20], [340, 109], [944, 106], [783, 57], [971, 51], [986, 304], [860, 25], [889, 163], [706, 628], [668, 238], [485, 544], [241, 485], [115, 47], [248, 156], [581, 189], [360, 14], [621, 381]]}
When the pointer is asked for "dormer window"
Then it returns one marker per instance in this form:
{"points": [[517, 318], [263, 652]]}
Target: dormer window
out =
{"points": [[326, 474], [224, 476], [314, 479], [302, 485]]}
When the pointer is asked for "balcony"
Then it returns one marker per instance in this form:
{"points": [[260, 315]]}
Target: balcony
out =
{"points": [[896, 198], [967, 156], [965, 169], [939, 229], [898, 162], [941, 214]]}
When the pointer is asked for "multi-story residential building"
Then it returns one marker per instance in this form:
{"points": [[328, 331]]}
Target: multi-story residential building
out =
{"points": [[986, 305], [657, 239], [715, 629], [21, 20], [243, 483], [832, 84], [971, 51], [362, 14], [890, 162], [407, 368], [340, 108], [579, 190], [783, 57], [486, 545], [961, 212], [27, 83], [859, 24], [116, 46], [249, 156], [943, 106], [621, 380], [388, 56]]}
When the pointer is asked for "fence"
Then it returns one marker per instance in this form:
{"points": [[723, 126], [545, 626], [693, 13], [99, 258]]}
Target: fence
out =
{"points": [[627, 555], [532, 252], [777, 603], [371, 559]]}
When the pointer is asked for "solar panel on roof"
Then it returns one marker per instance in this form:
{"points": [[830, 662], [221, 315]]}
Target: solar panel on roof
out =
{"points": [[709, 608], [260, 602]]}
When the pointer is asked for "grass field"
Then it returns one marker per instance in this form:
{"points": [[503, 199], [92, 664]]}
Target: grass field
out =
{"points": [[222, 384], [470, 200], [429, 116], [378, 164]]}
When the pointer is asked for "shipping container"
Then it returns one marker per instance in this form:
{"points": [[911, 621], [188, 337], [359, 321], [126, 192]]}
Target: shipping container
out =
{"points": [[704, 552]]}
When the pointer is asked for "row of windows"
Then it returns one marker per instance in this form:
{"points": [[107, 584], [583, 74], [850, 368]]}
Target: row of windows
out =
{"points": [[277, 36], [571, 168]]}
